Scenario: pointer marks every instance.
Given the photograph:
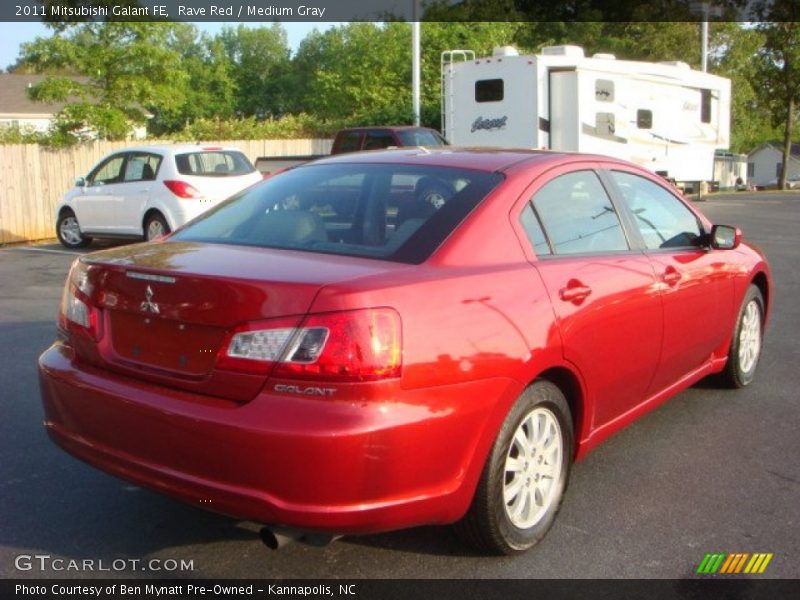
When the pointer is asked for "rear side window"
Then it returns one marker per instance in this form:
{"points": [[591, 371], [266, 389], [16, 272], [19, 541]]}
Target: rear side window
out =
{"points": [[662, 219], [142, 167], [376, 140], [213, 163], [578, 216], [348, 142], [392, 212]]}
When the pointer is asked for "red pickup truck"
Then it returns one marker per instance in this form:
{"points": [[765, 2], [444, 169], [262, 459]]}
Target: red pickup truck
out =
{"points": [[355, 139]]}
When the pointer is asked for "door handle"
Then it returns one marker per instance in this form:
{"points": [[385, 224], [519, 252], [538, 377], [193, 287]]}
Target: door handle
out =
{"points": [[671, 276], [575, 292]]}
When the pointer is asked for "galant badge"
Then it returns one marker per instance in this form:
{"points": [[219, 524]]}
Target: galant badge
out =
{"points": [[148, 305]]}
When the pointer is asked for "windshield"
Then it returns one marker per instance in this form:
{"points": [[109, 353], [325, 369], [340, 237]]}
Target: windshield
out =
{"points": [[420, 137], [391, 212]]}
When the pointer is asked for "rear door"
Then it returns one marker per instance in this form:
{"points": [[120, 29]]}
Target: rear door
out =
{"points": [[696, 287], [127, 209], [603, 292]]}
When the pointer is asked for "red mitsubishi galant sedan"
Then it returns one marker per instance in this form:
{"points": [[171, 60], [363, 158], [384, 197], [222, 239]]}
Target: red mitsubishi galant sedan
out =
{"points": [[378, 341]]}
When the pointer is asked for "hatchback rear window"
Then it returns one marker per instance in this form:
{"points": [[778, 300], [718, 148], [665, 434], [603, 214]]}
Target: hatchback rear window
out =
{"points": [[391, 212], [217, 163]]}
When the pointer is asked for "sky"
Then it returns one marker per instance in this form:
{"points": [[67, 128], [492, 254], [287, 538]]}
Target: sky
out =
{"points": [[13, 34]]}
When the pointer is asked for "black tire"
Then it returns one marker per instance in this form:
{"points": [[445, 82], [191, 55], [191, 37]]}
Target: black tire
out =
{"points": [[68, 231], [152, 224], [740, 370], [487, 526]]}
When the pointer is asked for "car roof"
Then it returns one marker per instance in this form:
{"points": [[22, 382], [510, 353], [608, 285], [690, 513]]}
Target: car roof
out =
{"points": [[176, 148], [388, 128], [480, 159]]}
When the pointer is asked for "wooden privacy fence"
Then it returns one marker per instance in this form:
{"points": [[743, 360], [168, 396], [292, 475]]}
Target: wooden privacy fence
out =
{"points": [[33, 179]]}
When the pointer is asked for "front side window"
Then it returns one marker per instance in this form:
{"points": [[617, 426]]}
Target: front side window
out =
{"points": [[578, 216], [604, 90], [662, 219], [107, 172], [391, 212]]}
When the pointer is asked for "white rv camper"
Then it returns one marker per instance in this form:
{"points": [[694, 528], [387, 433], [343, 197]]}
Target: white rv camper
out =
{"points": [[664, 116]]}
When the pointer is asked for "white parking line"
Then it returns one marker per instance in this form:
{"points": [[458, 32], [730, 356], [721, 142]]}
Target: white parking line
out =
{"points": [[43, 250]]}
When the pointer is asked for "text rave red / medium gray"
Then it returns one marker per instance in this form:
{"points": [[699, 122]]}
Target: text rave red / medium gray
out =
{"points": [[378, 341]]}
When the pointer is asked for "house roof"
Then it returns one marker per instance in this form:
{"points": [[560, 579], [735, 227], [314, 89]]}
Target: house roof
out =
{"points": [[778, 147], [14, 97]]}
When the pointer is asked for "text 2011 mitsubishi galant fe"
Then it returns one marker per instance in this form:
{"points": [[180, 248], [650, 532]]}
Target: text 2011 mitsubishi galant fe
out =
{"points": [[379, 341]]}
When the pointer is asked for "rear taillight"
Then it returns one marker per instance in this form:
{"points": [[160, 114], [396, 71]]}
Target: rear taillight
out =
{"points": [[356, 345], [182, 189], [77, 313]]}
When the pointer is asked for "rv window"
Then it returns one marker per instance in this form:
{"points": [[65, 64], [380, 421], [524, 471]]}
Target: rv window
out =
{"points": [[644, 119], [705, 110], [604, 90], [489, 90], [604, 124]]}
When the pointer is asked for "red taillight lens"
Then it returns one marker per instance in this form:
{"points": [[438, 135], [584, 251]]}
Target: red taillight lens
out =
{"points": [[182, 189], [77, 313], [357, 345]]}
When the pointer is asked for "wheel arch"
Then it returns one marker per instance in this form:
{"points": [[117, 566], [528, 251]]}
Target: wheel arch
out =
{"points": [[762, 283], [155, 211], [566, 380]]}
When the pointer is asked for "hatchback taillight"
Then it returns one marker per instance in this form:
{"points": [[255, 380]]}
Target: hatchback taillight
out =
{"points": [[347, 346], [182, 189], [77, 313]]}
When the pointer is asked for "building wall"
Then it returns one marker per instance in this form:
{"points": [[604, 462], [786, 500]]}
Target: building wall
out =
{"points": [[766, 161], [37, 124]]}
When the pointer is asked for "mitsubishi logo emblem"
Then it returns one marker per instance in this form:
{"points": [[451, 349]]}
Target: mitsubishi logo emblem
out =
{"points": [[148, 305]]}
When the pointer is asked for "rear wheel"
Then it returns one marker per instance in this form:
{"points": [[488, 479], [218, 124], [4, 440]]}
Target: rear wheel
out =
{"points": [[525, 476], [69, 231], [155, 226], [745, 349]]}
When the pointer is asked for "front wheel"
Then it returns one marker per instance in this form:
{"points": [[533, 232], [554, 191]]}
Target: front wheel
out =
{"points": [[525, 476], [155, 226], [69, 231], [745, 350]]}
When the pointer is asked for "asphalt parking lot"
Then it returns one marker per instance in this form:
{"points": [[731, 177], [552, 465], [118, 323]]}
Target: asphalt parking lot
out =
{"points": [[710, 471]]}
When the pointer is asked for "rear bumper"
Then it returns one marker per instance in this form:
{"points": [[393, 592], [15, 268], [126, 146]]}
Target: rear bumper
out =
{"points": [[383, 461]]}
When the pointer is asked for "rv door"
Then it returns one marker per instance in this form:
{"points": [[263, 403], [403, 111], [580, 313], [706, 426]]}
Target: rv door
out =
{"points": [[563, 109]]}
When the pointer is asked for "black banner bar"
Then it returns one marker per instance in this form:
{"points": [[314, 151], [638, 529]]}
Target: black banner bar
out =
{"points": [[398, 589], [238, 11]]}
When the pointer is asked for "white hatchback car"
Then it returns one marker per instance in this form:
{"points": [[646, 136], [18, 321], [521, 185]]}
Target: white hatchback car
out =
{"points": [[148, 191]]}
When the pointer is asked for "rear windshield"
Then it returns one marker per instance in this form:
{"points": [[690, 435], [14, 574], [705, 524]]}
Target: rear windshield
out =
{"points": [[391, 212], [213, 163], [420, 137]]}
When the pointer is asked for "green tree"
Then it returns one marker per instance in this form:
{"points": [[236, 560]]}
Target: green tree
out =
{"points": [[259, 58], [209, 89], [115, 71], [779, 67]]}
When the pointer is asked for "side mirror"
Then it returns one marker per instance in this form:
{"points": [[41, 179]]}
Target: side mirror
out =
{"points": [[80, 182], [725, 237]]}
